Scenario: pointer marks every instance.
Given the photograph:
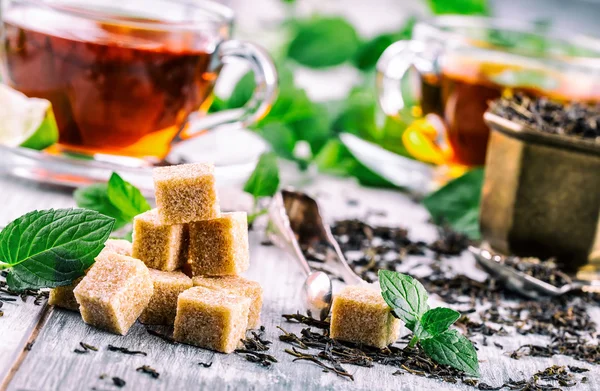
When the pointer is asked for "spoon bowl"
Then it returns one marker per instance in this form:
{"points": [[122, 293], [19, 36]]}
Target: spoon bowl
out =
{"points": [[523, 283], [317, 294]]}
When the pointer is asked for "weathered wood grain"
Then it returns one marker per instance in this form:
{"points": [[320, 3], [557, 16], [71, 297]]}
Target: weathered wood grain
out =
{"points": [[20, 319], [52, 365]]}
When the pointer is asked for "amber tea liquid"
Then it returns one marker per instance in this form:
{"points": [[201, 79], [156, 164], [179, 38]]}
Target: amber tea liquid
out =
{"points": [[114, 89], [460, 95]]}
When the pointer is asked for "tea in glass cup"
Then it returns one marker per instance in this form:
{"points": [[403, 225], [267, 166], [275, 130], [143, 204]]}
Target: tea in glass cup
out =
{"points": [[463, 63], [128, 79]]}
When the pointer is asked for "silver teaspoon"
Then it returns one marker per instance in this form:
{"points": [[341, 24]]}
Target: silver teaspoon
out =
{"points": [[317, 289], [523, 283]]}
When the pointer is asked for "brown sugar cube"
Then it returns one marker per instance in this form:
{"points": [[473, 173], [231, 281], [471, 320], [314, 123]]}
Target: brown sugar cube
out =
{"points": [[360, 315], [186, 193], [158, 245], [118, 246], [62, 296], [239, 286], [114, 293], [219, 247], [163, 304], [211, 319]]}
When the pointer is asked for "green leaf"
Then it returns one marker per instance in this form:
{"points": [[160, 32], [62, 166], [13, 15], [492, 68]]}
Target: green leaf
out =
{"points": [[253, 216], [324, 42], [437, 320], [264, 181], [50, 248], [406, 296], [335, 159], [314, 128], [369, 52], [281, 137], [242, 92], [454, 349], [462, 7], [95, 197], [458, 203], [126, 197]]}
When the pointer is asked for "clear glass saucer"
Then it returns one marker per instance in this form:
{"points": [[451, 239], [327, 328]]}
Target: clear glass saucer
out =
{"points": [[233, 151]]}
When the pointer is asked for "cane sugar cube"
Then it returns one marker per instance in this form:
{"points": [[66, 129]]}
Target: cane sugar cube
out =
{"points": [[239, 286], [118, 246], [114, 293], [159, 246], [186, 193], [360, 315], [211, 319], [62, 296], [163, 304], [219, 247]]}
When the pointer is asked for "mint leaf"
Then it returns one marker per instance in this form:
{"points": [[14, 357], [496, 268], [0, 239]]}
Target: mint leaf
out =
{"points": [[369, 52], [437, 320], [323, 42], [118, 199], [126, 197], [335, 159], [462, 7], [50, 248], [95, 197], [406, 296], [281, 137], [242, 92], [453, 349], [264, 180], [458, 203]]}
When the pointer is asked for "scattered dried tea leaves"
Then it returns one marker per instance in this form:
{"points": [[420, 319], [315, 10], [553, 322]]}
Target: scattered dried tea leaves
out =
{"points": [[255, 346], [307, 320], [85, 348], [124, 350], [117, 381], [149, 370], [335, 367], [546, 271]]}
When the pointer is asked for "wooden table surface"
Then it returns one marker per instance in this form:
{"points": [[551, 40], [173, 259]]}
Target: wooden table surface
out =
{"points": [[50, 363]]}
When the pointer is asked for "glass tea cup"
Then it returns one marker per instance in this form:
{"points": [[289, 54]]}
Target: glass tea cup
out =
{"points": [[130, 78], [462, 63]]}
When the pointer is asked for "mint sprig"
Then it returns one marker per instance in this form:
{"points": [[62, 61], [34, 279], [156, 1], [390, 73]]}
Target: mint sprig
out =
{"points": [[117, 198], [431, 327], [49, 248], [263, 182]]}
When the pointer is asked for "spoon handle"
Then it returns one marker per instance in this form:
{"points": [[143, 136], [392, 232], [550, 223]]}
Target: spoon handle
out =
{"points": [[281, 234], [341, 265]]}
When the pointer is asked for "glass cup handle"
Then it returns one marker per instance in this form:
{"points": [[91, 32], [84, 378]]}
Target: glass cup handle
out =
{"points": [[265, 92], [422, 137]]}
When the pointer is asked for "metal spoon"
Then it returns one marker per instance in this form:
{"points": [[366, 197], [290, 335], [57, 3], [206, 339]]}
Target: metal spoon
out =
{"points": [[523, 283], [295, 218], [317, 289], [309, 228]]}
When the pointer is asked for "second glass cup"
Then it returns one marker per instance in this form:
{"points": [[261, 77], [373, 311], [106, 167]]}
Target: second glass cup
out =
{"points": [[464, 62]]}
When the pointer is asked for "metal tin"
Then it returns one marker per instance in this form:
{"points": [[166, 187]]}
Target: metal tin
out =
{"points": [[541, 195]]}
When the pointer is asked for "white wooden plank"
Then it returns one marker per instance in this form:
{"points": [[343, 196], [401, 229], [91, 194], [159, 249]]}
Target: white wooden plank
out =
{"points": [[52, 364]]}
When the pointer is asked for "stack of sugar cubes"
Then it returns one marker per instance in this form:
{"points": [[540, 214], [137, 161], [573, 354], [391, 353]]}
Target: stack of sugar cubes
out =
{"points": [[185, 236]]}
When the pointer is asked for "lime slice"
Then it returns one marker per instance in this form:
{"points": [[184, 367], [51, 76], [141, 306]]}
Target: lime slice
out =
{"points": [[26, 122]]}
